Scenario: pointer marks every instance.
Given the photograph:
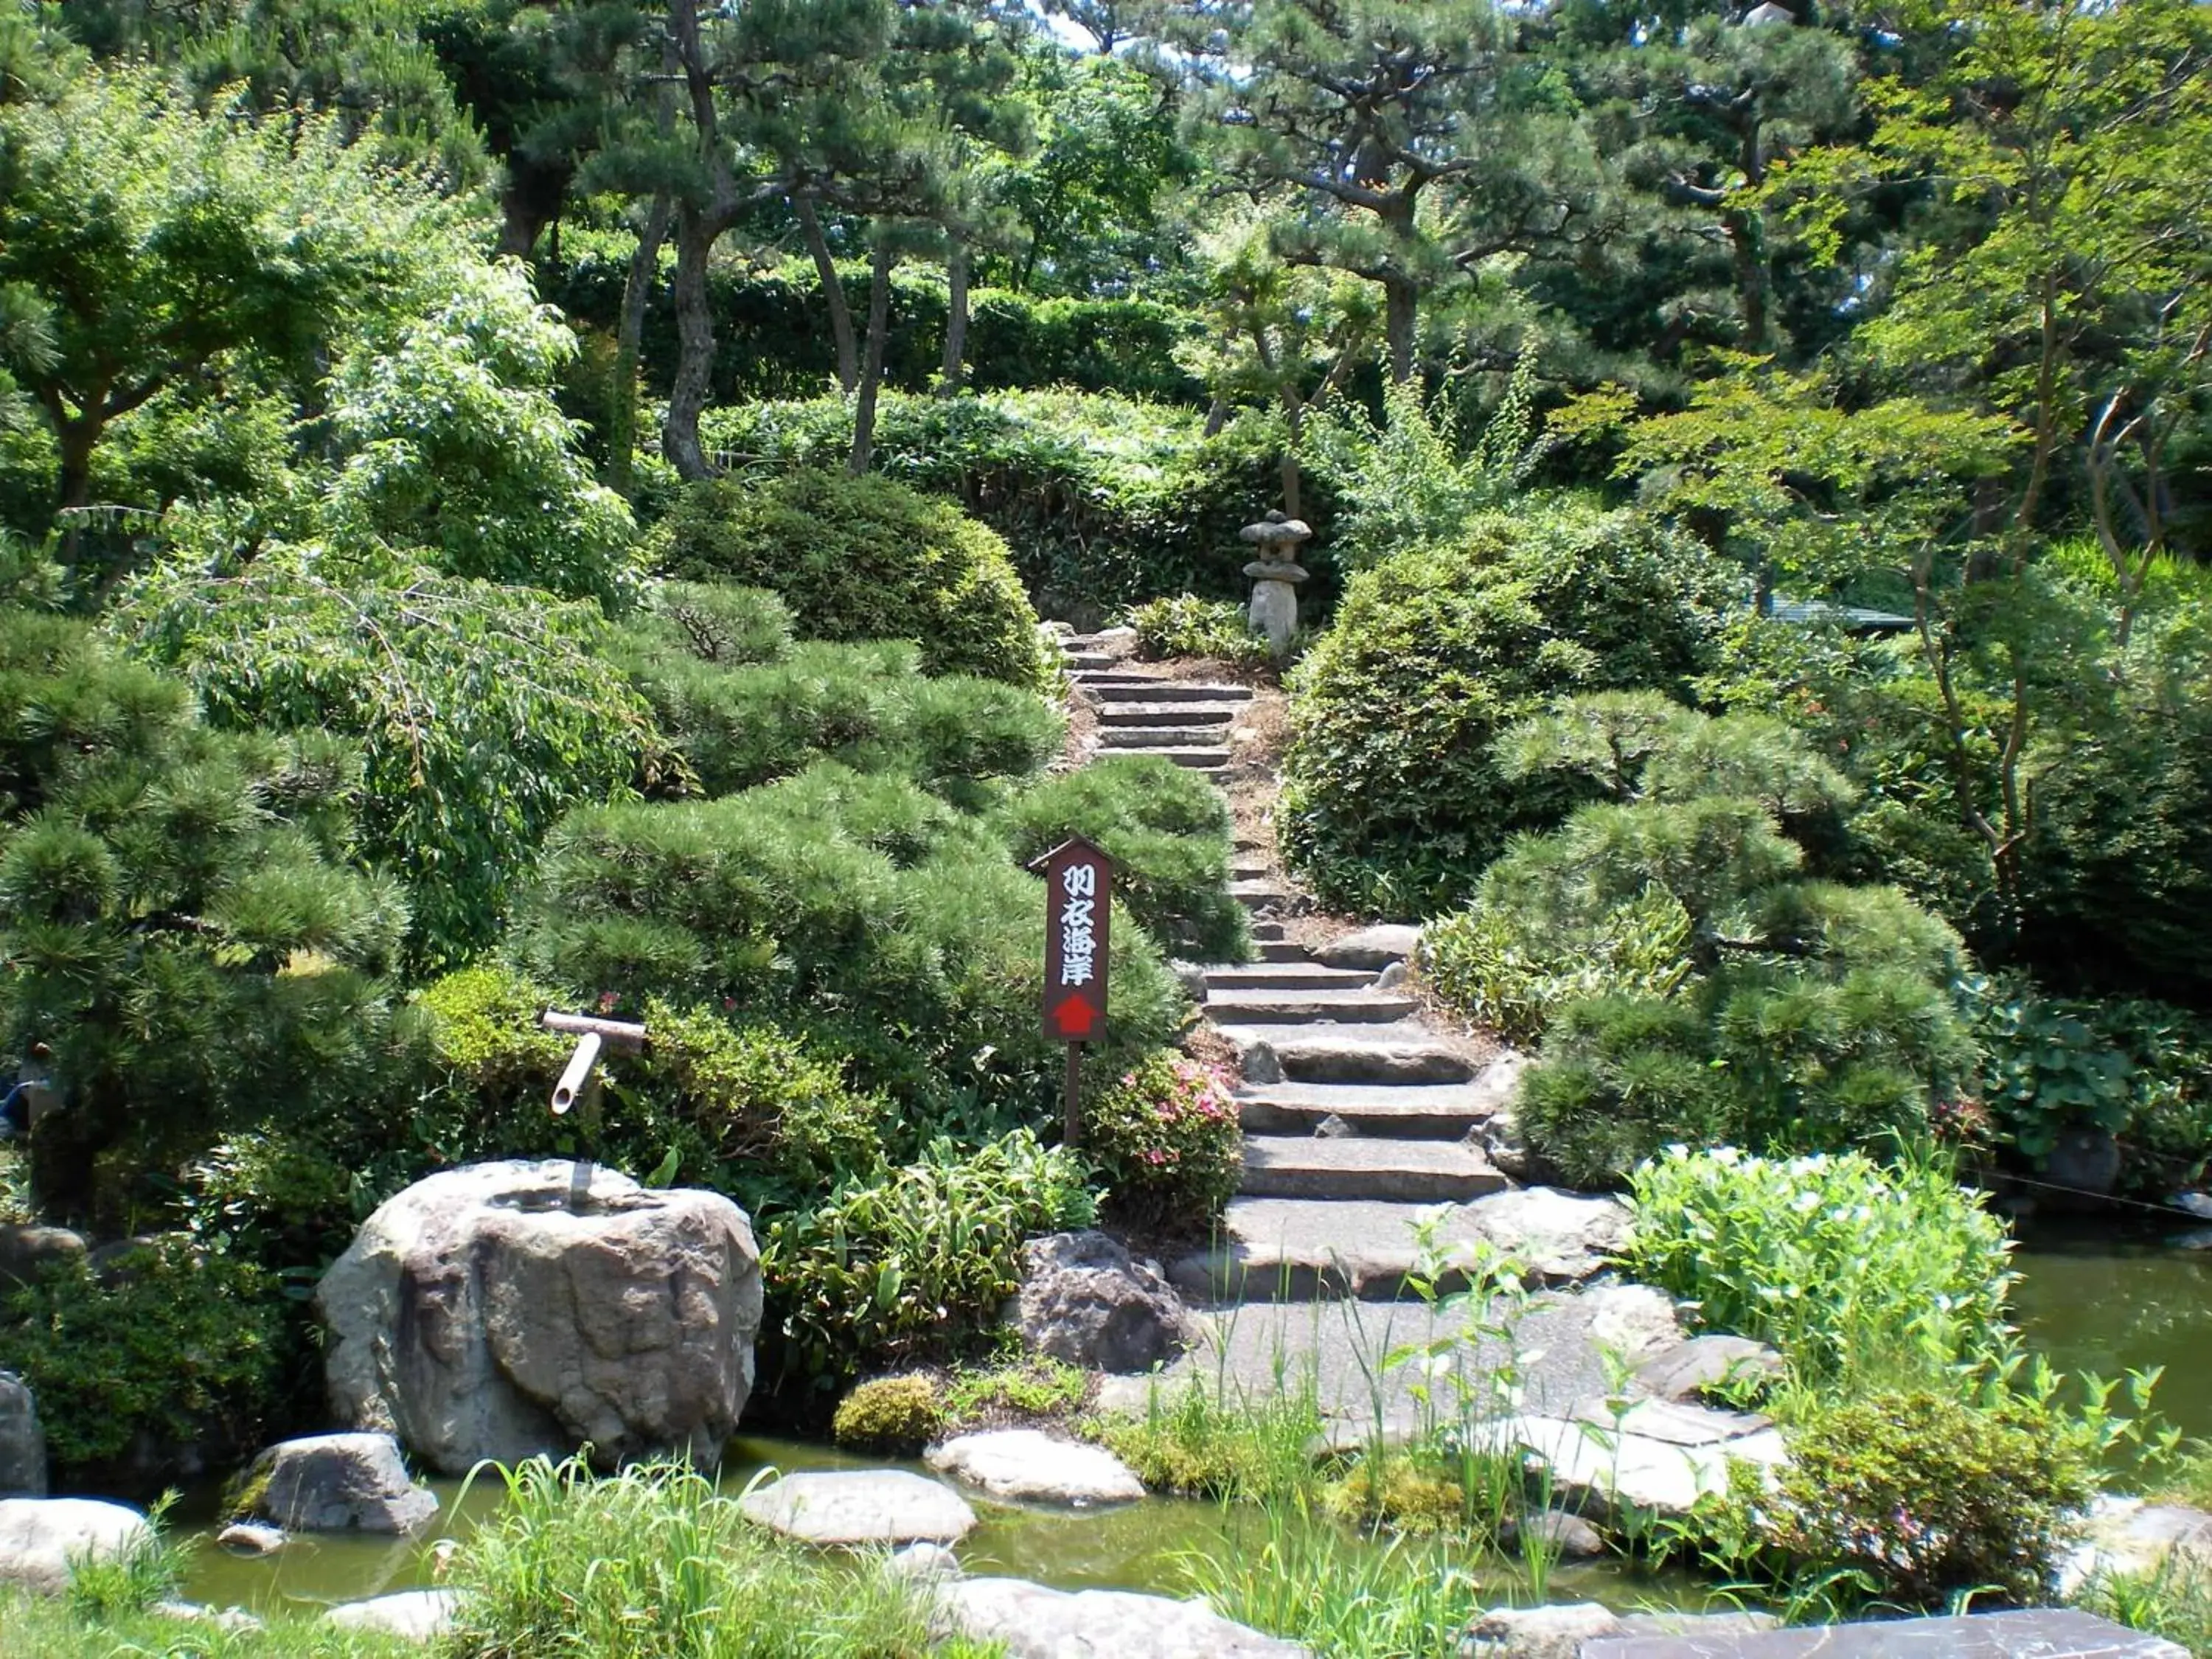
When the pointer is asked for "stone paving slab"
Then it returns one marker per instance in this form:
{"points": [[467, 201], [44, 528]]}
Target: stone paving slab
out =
{"points": [[1443, 1111], [1354, 1167], [1406, 1051], [2027, 1633]]}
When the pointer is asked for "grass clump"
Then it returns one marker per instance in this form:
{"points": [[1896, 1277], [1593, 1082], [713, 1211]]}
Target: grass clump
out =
{"points": [[1201, 1442], [1037, 1387], [2173, 1600]]}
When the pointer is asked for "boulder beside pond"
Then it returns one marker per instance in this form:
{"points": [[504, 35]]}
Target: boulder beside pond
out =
{"points": [[43, 1539], [422, 1615], [1083, 1299], [338, 1483], [508, 1309]]}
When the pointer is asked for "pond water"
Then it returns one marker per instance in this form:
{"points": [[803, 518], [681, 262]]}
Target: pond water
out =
{"points": [[2092, 1300]]}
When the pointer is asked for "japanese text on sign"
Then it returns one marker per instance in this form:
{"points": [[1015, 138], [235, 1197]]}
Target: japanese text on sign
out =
{"points": [[1079, 937]]}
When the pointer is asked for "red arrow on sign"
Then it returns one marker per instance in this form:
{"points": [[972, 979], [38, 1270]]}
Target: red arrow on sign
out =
{"points": [[1075, 1016]]}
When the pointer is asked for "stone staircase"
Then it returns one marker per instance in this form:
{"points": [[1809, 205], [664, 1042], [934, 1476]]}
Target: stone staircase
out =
{"points": [[1358, 1115]]}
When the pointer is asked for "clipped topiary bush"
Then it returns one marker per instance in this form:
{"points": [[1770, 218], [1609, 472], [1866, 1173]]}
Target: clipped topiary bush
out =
{"points": [[1188, 626], [864, 558], [895, 1416], [1165, 1138], [1169, 834], [1393, 800]]}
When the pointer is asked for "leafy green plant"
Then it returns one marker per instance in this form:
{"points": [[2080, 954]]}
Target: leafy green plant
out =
{"points": [[897, 1415], [1165, 1140], [917, 1261], [1860, 1274], [1188, 626], [1037, 1387], [864, 558], [2173, 1600], [1213, 1439], [1482, 963]]}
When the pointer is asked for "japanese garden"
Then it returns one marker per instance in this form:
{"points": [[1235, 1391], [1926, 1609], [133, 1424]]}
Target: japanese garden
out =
{"points": [[1293, 829]]}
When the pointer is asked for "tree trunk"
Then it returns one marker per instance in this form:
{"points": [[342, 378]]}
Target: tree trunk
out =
{"points": [[1402, 315], [695, 235], [871, 373], [629, 336], [532, 199], [956, 323], [1746, 243], [833, 293], [1294, 425]]}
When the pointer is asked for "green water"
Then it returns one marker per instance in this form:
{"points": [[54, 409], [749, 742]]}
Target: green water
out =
{"points": [[1131, 1546], [2091, 1301]]}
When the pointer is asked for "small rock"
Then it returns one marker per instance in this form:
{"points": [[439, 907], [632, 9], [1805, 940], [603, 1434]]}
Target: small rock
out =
{"points": [[23, 1441], [340, 1483], [1633, 1320], [1025, 1466], [1037, 1623], [1560, 1237], [1333, 1127], [1670, 1422], [1396, 974], [43, 1539], [2127, 1535], [1084, 1300], [234, 1619], [27, 1252], [1260, 1064], [1557, 1631], [861, 1506], [2083, 1161], [1704, 1364], [251, 1538], [1569, 1536], [422, 1615], [1374, 948], [925, 1564], [1191, 978], [1694, 1626]]}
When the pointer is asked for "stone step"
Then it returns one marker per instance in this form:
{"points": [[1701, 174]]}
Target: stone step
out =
{"points": [[1090, 661], [1318, 1007], [1406, 1053], [1246, 868], [1438, 1111], [1158, 737], [1293, 976], [1198, 760], [1348, 1167], [1287, 1249], [1167, 713], [1126, 688], [1274, 947]]}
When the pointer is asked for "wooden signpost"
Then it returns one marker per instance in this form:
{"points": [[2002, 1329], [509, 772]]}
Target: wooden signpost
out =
{"points": [[1078, 881]]}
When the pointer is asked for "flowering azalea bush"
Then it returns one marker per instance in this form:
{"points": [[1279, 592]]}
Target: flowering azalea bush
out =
{"points": [[1166, 1141]]}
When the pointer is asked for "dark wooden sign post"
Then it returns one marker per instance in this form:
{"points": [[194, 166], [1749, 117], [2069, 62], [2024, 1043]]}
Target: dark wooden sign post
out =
{"points": [[1078, 879]]}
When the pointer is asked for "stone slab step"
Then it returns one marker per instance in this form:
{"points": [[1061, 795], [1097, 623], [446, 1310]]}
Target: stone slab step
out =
{"points": [[1349, 1167], [1243, 868], [1257, 889], [1160, 737], [1082, 661], [1288, 1250], [1348, 1007], [1272, 931], [1293, 976], [1198, 760], [1172, 713], [1437, 1111], [1274, 947], [1135, 689], [1404, 1053]]}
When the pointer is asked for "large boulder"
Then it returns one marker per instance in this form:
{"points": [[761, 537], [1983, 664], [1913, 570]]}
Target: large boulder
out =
{"points": [[23, 1441], [338, 1483], [43, 1540], [27, 1252], [1083, 1299], [508, 1309]]}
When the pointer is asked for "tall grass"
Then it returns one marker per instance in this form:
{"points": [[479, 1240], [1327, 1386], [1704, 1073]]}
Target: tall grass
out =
{"points": [[37, 1627]]}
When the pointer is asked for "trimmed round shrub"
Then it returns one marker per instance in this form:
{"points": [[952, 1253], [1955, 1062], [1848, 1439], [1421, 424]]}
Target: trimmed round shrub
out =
{"points": [[864, 558], [896, 1416], [1392, 799], [1166, 1140]]}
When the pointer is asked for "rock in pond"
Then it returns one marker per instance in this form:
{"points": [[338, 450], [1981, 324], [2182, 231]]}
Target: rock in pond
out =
{"points": [[42, 1540], [861, 1506], [510, 1308], [1023, 1466], [23, 1441], [924, 1564], [2022, 1633], [339, 1483], [233, 1620], [422, 1615], [250, 1538], [1603, 1471], [1374, 948], [1086, 1300], [1576, 1630], [1036, 1623], [1568, 1536]]}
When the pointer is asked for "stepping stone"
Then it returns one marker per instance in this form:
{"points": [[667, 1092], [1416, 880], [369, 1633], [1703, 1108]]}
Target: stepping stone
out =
{"points": [[1158, 737], [1301, 1250], [1560, 1237], [1598, 1472], [1676, 1425], [1416, 1112], [1023, 1466], [422, 1615], [2016, 1633], [1257, 892], [1168, 713], [1300, 975], [861, 1506], [1079, 660], [1398, 1171], [1034, 1622], [1135, 687], [1362, 1006], [1243, 868], [1371, 947], [1203, 760], [1407, 1053], [1267, 934]]}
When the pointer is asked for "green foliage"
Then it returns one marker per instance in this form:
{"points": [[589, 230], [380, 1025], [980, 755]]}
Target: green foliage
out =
{"points": [[654, 1563], [40, 1627], [169, 1342], [1927, 1495], [106, 1588], [1036, 1386], [484, 712], [1392, 799], [864, 558], [1165, 1140], [896, 1416], [916, 1261], [1168, 835], [2173, 1600], [1188, 626], [1481, 962], [1336, 1593], [1200, 1442], [1862, 1276]]}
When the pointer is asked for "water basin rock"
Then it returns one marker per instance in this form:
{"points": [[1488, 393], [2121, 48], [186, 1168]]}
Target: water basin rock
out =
{"points": [[1086, 1300], [1703, 1365], [250, 1538], [1023, 1466], [23, 1441], [1560, 1237], [1036, 1623], [2128, 1536], [339, 1483], [510, 1308], [422, 1615], [861, 1506], [42, 1540]]}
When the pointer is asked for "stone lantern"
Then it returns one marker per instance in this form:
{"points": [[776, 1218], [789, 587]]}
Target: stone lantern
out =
{"points": [[1275, 576]]}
